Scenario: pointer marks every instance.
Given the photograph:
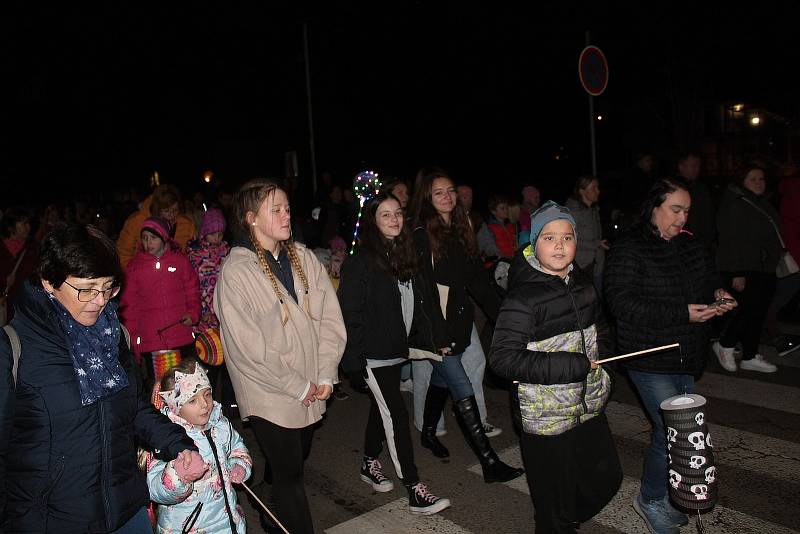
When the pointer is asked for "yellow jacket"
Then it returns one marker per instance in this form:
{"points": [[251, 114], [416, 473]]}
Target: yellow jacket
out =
{"points": [[130, 236]]}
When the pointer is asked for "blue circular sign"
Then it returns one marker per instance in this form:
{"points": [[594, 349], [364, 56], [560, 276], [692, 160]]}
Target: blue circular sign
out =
{"points": [[593, 70]]}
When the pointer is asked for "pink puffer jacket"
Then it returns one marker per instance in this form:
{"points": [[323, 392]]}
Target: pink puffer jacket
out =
{"points": [[156, 294]]}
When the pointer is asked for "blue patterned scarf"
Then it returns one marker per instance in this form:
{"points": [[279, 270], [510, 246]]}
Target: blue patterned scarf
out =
{"points": [[95, 353]]}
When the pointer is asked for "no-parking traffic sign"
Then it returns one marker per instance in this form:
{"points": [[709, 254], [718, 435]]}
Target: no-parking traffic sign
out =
{"points": [[593, 70]]}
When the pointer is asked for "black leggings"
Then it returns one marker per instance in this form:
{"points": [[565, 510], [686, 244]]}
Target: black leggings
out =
{"points": [[749, 316], [388, 419], [286, 450]]}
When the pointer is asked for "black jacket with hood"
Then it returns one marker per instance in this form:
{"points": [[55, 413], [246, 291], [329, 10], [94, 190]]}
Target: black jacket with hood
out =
{"points": [[65, 467]]}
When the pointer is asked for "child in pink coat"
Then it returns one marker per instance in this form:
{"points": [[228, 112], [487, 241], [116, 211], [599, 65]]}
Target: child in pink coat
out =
{"points": [[161, 296], [206, 254]]}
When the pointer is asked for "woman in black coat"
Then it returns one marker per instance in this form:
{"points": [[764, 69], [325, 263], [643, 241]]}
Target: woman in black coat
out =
{"points": [[74, 412], [659, 286], [748, 253]]}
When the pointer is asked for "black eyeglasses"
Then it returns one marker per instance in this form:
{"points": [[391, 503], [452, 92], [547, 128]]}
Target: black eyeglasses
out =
{"points": [[88, 295]]}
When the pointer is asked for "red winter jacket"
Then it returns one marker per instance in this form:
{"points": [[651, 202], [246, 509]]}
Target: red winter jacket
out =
{"points": [[505, 236], [157, 293]]}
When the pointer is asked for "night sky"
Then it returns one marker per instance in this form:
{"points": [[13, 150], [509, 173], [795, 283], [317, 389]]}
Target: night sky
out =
{"points": [[101, 98]]}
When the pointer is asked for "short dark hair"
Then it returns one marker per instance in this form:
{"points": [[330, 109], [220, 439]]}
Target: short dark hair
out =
{"points": [[496, 200], [745, 168], [164, 196], [11, 217], [79, 250]]}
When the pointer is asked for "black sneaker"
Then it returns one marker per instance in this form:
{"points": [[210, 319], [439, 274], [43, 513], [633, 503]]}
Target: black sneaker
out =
{"points": [[371, 474], [422, 501]]}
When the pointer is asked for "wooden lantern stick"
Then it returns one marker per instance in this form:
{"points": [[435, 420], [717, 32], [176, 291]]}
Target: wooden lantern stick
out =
{"points": [[638, 353]]}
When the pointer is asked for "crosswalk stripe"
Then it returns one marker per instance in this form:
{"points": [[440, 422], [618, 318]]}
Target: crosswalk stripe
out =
{"points": [[394, 518], [768, 456], [620, 515], [749, 391]]}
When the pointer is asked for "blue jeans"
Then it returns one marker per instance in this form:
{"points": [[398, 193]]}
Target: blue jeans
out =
{"points": [[138, 524], [449, 373], [654, 388], [474, 362]]}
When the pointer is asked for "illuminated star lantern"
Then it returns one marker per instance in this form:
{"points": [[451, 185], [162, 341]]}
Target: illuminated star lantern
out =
{"points": [[365, 186]]}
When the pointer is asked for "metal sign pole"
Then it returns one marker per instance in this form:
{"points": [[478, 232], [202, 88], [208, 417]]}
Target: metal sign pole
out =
{"points": [[591, 130], [591, 118]]}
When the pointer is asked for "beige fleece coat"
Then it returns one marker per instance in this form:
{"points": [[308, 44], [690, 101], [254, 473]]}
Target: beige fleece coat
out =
{"points": [[271, 364]]}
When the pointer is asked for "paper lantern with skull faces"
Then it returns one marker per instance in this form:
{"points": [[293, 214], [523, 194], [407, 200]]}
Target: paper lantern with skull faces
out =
{"points": [[692, 475]]}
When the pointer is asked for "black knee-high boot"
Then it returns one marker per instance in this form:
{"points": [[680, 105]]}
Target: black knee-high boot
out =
{"points": [[494, 470], [434, 404]]}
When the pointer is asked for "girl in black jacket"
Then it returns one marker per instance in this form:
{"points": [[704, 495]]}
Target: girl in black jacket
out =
{"points": [[70, 422], [449, 266], [377, 301]]}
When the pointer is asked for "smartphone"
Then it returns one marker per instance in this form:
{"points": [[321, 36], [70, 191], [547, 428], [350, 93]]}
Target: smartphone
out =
{"points": [[720, 302]]}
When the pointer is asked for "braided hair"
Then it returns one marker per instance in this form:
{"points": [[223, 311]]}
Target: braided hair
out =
{"points": [[248, 200]]}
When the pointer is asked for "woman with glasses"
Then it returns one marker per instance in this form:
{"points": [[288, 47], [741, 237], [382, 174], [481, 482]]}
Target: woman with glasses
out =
{"points": [[73, 407], [161, 300]]}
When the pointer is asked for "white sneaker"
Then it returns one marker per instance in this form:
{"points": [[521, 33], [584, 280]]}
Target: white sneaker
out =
{"points": [[491, 430], [758, 363], [725, 356]]}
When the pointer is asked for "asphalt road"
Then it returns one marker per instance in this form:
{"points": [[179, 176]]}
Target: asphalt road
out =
{"points": [[755, 419]]}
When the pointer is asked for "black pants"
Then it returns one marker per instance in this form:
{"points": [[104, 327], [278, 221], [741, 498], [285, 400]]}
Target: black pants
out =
{"points": [[571, 476], [748, 318], [388, 419], [286, 450]]}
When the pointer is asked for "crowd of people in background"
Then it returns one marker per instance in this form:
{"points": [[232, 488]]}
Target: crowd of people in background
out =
{"points": [[443, 285]]}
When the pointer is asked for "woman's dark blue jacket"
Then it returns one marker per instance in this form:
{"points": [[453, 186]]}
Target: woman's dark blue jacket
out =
{"points": [[65, 467]]}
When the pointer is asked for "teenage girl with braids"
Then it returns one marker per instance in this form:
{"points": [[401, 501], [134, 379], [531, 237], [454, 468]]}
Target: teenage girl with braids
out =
{"points": [[283, 337], [449, 267]]}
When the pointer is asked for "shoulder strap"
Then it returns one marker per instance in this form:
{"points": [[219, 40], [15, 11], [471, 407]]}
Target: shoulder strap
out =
{"points": [[19, 260], [16, 349], [769, 218], [126, 334]]}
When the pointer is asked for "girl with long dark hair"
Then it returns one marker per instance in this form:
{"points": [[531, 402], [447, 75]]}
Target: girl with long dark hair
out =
{"points": [[377, 299], [449, 266]]}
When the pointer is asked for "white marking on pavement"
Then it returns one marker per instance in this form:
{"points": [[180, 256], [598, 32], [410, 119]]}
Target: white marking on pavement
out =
{"points": [[772, 457], [394, 518], [620, 515], [749, 391]]}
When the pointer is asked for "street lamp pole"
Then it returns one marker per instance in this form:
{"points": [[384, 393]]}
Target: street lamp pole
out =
{"points": [[310, 114]]}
